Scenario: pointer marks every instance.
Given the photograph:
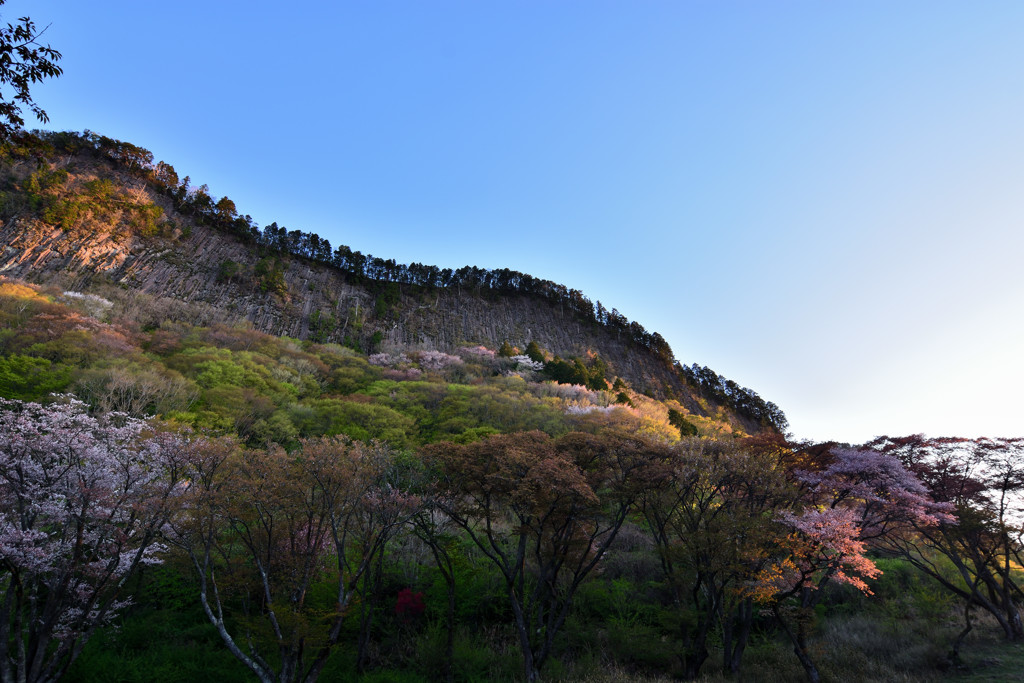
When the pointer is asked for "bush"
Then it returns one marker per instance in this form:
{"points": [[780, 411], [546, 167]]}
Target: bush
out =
{"points": [[30, 379], [685, 427]]}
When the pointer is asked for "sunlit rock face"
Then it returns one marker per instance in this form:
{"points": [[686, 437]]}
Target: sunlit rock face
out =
{"points": [[193, 273]]}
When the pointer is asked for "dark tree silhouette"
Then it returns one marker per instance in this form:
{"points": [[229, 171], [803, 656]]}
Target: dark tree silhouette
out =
{"points": [[23, 61]]}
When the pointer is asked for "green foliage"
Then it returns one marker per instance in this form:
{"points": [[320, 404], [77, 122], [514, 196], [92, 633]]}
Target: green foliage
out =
{"points": [[502, 406], [476, 659], [361, 421], [30, 379], [351, 374], [904, 592], [565, 372], [597, 371], [42, 190], [145, 219], [213, 367], [265, 389], [42, 180], [474, 434], [278, 428], [726, 392], [269, 273], [225, 408], [321, 325], [677, 420], [387, 299], [100, 191], [63, 213], [534, 351], [48, 193], [166, 638], [213, 373], [575, 371], [227, 271], [375, 341], [506, 350]]}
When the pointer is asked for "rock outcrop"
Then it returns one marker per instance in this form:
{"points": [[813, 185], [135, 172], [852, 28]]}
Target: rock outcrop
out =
{"points": [[182, 277]]}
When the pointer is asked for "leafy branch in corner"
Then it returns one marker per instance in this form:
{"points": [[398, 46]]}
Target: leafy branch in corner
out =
{"points": [[23, 61]]}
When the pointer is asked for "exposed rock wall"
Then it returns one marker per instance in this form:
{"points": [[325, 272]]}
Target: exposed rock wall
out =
{"points": [[179, 278]]}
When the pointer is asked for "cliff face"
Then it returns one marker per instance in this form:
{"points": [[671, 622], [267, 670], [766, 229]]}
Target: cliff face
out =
{"points": [[95, 215], [182, 277]]}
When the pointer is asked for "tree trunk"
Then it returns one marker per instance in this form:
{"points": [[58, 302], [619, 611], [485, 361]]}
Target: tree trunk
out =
{"points": [[799, 640], [444, 565], [695, 652], [693, 659], [371, 590], [530, 670], [735, 643], [1015, 630], [449, 645], [805, 660], [954, 655]]}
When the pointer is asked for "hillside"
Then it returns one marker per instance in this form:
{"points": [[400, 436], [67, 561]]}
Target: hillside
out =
{"points": [[89, 214], [403, 459]]}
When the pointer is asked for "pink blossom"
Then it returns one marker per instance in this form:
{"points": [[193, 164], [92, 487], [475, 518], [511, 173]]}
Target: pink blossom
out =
{"points": [[81, 501], [435, 360], [478, 351], [833, 537]]}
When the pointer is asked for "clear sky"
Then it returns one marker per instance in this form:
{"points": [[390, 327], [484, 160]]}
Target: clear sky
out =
{"points": [[823, 201]]}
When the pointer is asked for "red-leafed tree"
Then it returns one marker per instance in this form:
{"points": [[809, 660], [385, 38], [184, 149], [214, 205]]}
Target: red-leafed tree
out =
{"points": [[544, 512], [265, 527], [82, 503]]}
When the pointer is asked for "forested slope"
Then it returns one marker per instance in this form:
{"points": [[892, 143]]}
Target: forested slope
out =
{"points": [[89, 214], [263, 456]]}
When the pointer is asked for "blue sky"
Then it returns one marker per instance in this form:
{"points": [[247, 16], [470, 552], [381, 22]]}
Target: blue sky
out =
{"points": [[821, 201]]}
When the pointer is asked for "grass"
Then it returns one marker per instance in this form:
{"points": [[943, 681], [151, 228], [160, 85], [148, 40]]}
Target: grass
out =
{"points": [[988, 657], [854, 648], [618, 632]]}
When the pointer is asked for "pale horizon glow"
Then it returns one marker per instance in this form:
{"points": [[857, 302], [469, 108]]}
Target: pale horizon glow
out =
{"points": [[821, 202]]}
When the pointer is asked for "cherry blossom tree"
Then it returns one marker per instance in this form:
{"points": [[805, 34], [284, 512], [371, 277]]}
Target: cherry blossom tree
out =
{"points": [[849, 497], [435, 360], [83, 501]]}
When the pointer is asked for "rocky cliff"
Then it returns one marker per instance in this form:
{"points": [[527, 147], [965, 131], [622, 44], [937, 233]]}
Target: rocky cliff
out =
{"points": [[184, 270], [181, 278]]}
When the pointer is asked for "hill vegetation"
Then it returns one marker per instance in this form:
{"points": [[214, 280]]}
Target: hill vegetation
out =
{"points": [[229, 452], [263, 457], [84, 205]]}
